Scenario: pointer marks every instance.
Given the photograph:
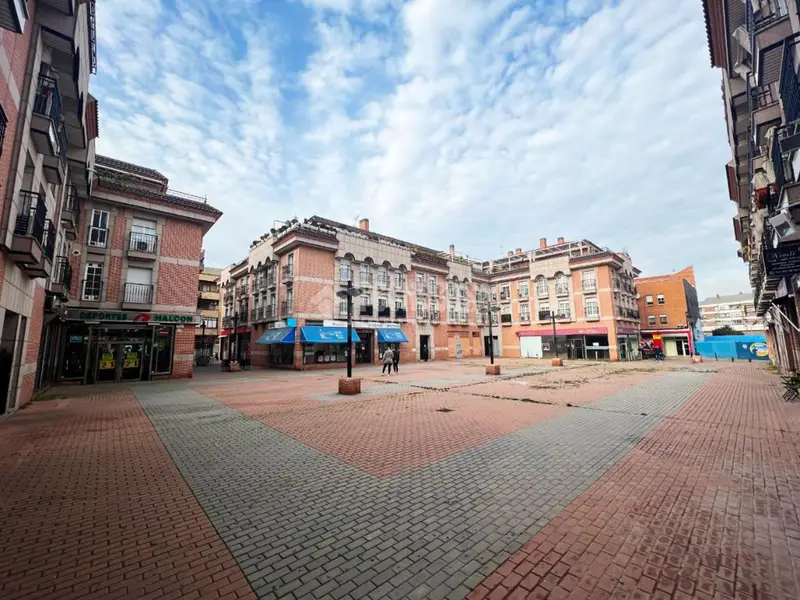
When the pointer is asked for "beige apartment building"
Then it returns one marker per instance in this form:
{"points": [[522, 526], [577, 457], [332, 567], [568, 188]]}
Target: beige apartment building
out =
{"points": [[735, 311], [280, 307], [754, 45], [206, 335]]}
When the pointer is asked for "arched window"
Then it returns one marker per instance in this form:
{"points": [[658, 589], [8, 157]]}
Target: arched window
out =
{"points": [[562, 284], [541, 287]]}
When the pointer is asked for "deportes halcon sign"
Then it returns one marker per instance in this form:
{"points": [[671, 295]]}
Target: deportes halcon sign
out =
{"points": [[128, 317]]}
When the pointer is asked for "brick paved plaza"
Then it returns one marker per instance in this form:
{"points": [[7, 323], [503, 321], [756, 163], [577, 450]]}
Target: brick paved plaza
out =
{"points": [[595, 481]]}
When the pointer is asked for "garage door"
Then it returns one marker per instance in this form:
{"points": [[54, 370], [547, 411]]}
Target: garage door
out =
{"points": [[530, 347]]}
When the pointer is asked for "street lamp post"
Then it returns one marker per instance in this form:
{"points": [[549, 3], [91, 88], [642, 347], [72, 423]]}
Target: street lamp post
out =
{"points": [[203, 337], [555, 339], [348, 293], [490, 312], [235, 353]]}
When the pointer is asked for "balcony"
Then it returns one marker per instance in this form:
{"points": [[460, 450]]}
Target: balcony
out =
{"points": [[433, 290], [42, 267], [47, 130], [384, 312], [287, 308], [260, 284], [544, 315], [61, 278], [365, 310], [71, 213], [400, 283], [137, 295], [400, 313], [384, 282], [564, 315], [422, 315], [422, 290], [463, 318], [435, 316], [227, 297], [524, 317], [257, 314], [97, 238], [365, 279], [505, 296], [244, 316], [505, 319], [589, 286], [562, 290], [287, 274], [91, 290], [142, 245], [269, 312], [592, 315], [345, 275], [542, 292], [480, 319], [228, 322], [271, 279], [27, 246], [523, 294]]}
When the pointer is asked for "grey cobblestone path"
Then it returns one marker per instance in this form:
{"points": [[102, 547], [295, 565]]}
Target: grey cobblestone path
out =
{"points": [[301, 524]]}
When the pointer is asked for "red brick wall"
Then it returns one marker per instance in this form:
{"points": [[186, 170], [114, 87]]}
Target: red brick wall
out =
{"points": [[25, 389], [674, 297], [183, 357], [312, 262], [113, 270], [181, 239], [176, 285], [34, 334]]}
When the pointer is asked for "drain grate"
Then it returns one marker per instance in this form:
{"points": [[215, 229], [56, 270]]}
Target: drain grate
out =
{"points": [[444, 410]]}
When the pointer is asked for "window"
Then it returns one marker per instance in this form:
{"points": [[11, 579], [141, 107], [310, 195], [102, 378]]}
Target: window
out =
{"points": [[398, 304], [93, 282], [345, 271], [139, 286], [588, 281], [98, 229], [290, 299], [343, 306], [524, 312], [162, 350], [383, 303], [451, 314], [648, 300], [523, 290], [432, 285], [562, 284], [544, 311], [451, 290], [399, 280], [383, 277], [660, 299], [434, 310], [420, 283], [563, 309], [592, 309], [662, 319], [210, 322], [3, 123], [651, 319], [143, 236], [365, 274], [420, 308], [505, 292], [541, 287]]}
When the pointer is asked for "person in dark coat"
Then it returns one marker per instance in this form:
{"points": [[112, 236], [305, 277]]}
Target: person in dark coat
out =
{"points": [[396, 359]]}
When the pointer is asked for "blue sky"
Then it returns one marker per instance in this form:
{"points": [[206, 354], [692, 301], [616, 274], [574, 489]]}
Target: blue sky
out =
{"points": [[481, 123]]}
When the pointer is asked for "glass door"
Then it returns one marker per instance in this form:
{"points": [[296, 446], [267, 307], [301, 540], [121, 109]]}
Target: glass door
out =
{"points": [[106, 371], [131, 359]]}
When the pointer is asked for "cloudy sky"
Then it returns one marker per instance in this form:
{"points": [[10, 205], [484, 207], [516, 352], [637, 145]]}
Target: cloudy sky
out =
{"points": [[482, 123]]}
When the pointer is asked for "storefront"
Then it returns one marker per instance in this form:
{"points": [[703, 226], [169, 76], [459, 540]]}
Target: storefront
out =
{"points": [[371, 338], [569, 342], [673, 342], [235, 344], [390, 338], [113, 347], [280, 341], [325, 345]]}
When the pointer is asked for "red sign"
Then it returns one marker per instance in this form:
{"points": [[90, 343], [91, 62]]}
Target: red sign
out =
{"points": [[561, 331], [142, 318]]}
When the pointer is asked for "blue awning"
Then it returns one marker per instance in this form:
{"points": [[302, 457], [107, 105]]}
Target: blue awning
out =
{"points": [[279, 335], [391, 336], [326, 335]]}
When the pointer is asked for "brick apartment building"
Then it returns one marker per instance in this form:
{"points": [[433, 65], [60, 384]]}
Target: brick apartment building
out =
{"points": [[206, 339], [280, 305], [669, 311], [734, 310], [132, 309], [48, 122]]}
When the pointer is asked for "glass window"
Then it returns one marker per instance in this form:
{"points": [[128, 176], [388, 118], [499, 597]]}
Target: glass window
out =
{"points": [[648, 300], [398, 304], [562, 285], [211, 322], [541, 287], [663, 319], [324, 353], [399, 280], [383, 303], [345, 272], [93, 282], [143, 235], [660, 298], [524, 312], [98, 229], [162, 350], [523, 290], [563, 309], [505, 292], [651, 320], [451, 289], [592, 308], [75, 345], [432, 285], [343, 306]]}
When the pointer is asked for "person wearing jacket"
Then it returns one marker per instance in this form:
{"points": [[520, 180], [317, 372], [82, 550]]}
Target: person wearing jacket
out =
{"points": [[388, 360]]}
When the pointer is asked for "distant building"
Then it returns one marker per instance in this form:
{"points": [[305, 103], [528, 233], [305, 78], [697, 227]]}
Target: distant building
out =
{"points": [[736, 311], [206, 340], [669, 311]]}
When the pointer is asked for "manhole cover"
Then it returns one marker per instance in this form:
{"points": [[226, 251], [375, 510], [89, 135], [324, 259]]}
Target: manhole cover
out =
{"points": [[444, 410]]}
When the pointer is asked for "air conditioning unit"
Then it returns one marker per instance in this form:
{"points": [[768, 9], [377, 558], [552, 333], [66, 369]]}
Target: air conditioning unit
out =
{"points": [[785, 227], [743, 61], [743, 38]]}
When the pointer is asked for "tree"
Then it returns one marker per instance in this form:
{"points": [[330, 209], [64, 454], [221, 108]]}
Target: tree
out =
{"points": [[726, 330]]}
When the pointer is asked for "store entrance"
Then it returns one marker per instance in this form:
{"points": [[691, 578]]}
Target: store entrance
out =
{"points": [[119, 361], [364, 349]]}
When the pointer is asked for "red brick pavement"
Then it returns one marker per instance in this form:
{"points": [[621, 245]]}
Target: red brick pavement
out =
{"points": [[706, 506], [384, 435], [92, 506]]}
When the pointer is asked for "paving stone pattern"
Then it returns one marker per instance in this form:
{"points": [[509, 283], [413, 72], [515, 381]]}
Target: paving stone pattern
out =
{"points": [[302, 524]]}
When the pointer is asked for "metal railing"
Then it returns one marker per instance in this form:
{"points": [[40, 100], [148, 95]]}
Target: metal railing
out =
{"points": [[525, 317], [98, 237], [142, 242], [138, 293], [591, 315], [269, 311], [62, 272], [562, 289], [257, 314], [48, 98], [287, 307], [287, 272], [365, 310], [422, 315], [435, 315], [228, 322], [463, 317], [49, 239], [400, 313], [72, 204], [544, 315], [345, 275], [564, 315], [31, 217], [400, 283], [92, 290], [365, 278], [769, 12], [422, 289], [244, 315], [383, 281], [789, 88], [589, 285], [542, 292], [384, 312]]}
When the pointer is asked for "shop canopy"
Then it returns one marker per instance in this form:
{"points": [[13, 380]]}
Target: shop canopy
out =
{"points": [[326, 335], [391, 336], [279, 335]]}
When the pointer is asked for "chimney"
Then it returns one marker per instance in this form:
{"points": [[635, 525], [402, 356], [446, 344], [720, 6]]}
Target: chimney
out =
{"points": [[364, 224], [510, 253], [518, 251], [452, 250], [542, 242], [560, 240]]}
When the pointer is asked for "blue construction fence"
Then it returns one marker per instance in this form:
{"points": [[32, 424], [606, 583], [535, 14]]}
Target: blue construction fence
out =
{"points": [[740, 347]]}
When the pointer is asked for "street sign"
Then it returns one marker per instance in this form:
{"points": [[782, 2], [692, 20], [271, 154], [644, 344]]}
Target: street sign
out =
{"points": [[783, 261]]}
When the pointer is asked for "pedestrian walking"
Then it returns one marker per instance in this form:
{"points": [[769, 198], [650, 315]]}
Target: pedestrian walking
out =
{"points": [[396, 359], [388, 359]]}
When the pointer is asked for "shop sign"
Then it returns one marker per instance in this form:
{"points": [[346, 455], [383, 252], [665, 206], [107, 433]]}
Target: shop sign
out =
{"points": [[783, 261], [362, 324], [107, 361], [129, 317]]}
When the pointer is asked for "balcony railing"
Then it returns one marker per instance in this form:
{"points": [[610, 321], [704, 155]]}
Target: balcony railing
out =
{"points": [[589, 285], [768, 12], [542, 292], [287, 308], [138, 293], [287, 273], [49, 239], [400, 313], [435, 315], [400, 283], [433, 290], [422, 315], [421, 289], [384, 312], [451, 292], [62, 272], [564, 315], [92, 290], [505, 296], [98, 237], [544, 315], [789, 87], [228, 322], [271, 279], [365, 310], [31, 217], [260, 284], [142, 242], [345, 275], [48, 98], [562, 290], [72, 205], [525, 317], [365, 278], [523, 294], [269, 312], [257, 314], [463, 317], [383, 281], [592, 315], [505, 318], [244, 316]]}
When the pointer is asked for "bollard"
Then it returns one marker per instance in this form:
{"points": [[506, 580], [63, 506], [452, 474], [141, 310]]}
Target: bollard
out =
{"points": [[716, 359], [731, 359]]}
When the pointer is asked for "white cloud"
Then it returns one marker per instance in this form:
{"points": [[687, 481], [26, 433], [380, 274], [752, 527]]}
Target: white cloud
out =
{"points": [[484, 123]]}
